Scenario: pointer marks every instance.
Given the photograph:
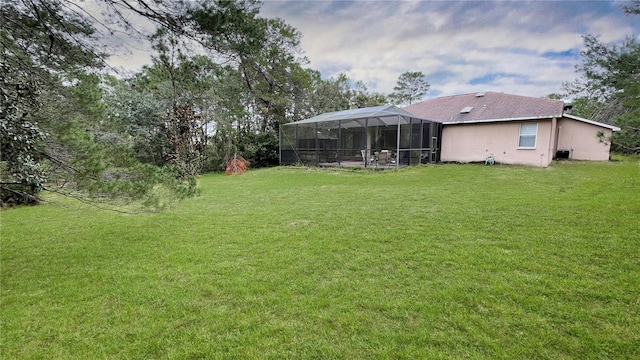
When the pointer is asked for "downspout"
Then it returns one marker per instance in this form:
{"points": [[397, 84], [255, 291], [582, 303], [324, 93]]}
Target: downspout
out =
{"points": [[552, 140], [280, 145], [557, 137], [439, 128], [339, 141], [367, 142], [398, 145], [422, 141], [295, 146], [317, 145]]}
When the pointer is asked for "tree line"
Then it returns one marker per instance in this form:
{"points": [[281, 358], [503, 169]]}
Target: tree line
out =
{"points": [[69, 124]]}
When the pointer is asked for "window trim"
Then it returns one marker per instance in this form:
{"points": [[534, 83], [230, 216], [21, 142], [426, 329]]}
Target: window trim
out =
{"points": [[535, 137]]}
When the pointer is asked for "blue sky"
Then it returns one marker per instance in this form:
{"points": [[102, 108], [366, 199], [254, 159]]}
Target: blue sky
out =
{"points": [[517, 47]]}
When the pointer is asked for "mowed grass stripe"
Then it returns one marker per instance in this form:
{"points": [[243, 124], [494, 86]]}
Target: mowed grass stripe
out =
{"points": [[446, 261]]}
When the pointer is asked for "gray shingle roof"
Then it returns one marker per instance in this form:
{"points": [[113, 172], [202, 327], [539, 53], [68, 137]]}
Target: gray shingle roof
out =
{"points": [[476, 107]]}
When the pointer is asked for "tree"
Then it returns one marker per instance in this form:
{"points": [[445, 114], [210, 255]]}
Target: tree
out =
{"points": [[47, 46], [37, 48], [361, 97], [628, 138], [52, 133], [335, 94], [265, 52], [329, 95], [21, 175], [181, 84], [264, 55], [411, 86], [633, 8], [608, 88], [137, 116]]}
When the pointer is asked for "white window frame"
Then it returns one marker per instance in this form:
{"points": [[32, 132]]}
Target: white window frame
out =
{"points": [[521, 135]]}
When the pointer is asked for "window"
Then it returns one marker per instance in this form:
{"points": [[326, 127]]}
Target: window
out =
{"points": [[528, 133]]}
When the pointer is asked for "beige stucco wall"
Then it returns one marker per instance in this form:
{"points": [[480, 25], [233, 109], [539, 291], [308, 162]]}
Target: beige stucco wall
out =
{"points": [[474, 142], [582, 140]]}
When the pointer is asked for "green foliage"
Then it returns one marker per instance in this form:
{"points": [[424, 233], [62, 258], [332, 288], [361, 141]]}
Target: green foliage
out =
{"points": [[555, 96], [627, 140], [47, 90], [502, 262], [361, 97], [328, 95], [265, 52], [137, 116], [187, 140], [21, 141], [226, 104], [633, 8], [411, 87], [101, 168], [41, 36], [608, 68], [608, 88], [335, 94], [585, 107], [36, 46], [261, 150], [50, 53]]}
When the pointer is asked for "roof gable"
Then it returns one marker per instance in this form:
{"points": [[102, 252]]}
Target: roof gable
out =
{"points": [[487, 106]]}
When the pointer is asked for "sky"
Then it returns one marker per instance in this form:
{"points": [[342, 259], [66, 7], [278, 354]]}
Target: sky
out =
{"points": [[516, 47]]}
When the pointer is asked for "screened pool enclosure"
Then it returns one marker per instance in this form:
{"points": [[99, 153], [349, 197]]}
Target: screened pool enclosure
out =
{"points": [[381, 136]]}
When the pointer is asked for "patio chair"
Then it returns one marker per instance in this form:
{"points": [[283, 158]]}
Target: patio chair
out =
{"points": [[373, 160], [383, 157]]}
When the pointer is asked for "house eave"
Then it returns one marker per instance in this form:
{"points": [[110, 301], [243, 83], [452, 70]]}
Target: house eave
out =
{"points": [[596, 123], [572, 117], [501, 120]]}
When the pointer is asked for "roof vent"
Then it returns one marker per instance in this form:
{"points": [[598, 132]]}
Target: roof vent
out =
{"points": [[480, 94], [466, 110]]}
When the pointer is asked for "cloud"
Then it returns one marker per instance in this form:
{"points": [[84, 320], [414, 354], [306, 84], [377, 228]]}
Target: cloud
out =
{"points": [[527, 48]]}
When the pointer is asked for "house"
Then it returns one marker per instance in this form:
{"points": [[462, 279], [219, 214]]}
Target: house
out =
{"points": [[512, 129]]}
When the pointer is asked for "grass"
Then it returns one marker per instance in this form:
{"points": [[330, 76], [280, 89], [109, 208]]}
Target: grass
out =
{"points": [[445, 261]]}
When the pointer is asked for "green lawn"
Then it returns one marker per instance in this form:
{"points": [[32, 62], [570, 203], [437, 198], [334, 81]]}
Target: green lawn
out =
{"points": [[437, 261]]}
